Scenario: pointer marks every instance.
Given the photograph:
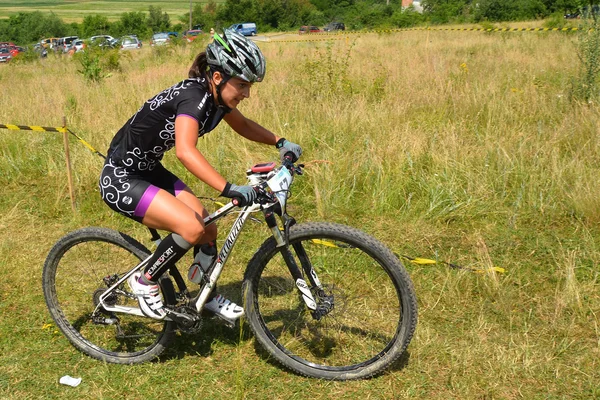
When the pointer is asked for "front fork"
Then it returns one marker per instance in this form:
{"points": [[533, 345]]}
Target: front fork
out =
{"points": [[325, 303]]}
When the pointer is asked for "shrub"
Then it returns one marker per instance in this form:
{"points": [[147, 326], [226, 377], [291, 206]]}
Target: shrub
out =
{"points": [[585, 85]]}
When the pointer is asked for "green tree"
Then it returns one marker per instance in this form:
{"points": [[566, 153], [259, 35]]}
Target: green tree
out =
{"points": [[501, 10], [237, 11], [157, 20], [202, 15], [563, 5], [25, 28], [94, 25], [443, 11], [133, 23]]}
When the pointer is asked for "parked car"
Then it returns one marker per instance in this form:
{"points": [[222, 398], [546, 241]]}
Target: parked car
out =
{"points": [[41, 50], [49, 42], [334, 26], [309, 29], [103, 41], [77, 46], [192, 34], [246, 28], [7, 44], [16, 50], [65, 43], [129, 43], [574, 15], [160, 39], [5, 55]]}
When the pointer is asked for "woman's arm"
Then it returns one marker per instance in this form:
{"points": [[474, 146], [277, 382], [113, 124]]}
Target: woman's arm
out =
{"points": [[186, 138], [250, 129]]}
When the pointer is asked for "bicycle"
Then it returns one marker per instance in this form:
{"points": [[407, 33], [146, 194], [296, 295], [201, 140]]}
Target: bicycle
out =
{"points": [[348, 310]]}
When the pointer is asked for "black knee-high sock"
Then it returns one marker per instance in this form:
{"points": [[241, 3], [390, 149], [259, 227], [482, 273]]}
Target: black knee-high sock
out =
{"points": [[168, 252]]}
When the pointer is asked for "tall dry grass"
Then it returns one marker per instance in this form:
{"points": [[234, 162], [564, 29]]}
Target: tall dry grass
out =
{"points": [[457, 146]]}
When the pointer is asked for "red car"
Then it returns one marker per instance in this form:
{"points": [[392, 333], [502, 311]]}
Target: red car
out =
{"points": [[5, 55], [309, 29], [191, 35], [8, 51], [14, 50]]}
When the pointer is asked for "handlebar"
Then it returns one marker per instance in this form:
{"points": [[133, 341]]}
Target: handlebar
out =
{"points": [[265, 197]]}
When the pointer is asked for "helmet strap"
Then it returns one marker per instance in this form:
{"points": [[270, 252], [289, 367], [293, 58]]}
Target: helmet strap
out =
{"points": [[221, 103]]}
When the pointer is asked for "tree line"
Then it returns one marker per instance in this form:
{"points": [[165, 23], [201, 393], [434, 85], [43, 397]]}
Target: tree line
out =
{"points": [[286, 15]]}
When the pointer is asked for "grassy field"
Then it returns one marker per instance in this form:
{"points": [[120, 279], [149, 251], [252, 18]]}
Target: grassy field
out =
{"points": [[456, 146], [76, 10]]}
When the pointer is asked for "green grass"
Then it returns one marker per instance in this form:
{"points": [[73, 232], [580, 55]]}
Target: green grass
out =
{"points": [[75, 11], [456, 146]]}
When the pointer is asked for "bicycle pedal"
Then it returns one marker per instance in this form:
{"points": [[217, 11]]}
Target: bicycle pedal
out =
{"points": [[224, 321]]}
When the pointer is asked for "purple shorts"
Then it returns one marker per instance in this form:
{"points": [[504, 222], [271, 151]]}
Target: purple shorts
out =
{"points": [[131, 194]]}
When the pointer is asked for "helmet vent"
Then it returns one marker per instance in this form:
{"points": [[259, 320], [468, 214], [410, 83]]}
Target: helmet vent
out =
{"points": [[234, 67], [240, 45], [250, 65]]}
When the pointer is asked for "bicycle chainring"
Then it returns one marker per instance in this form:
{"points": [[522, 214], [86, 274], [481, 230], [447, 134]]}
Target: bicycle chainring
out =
{"points": [[193, 327]]}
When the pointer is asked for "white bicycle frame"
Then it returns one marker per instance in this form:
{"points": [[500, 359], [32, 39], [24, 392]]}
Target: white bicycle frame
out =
{"points": [[280, 184]]}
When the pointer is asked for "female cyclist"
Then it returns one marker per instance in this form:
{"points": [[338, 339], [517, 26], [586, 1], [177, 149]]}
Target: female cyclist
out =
{"points": [[134, 182]]}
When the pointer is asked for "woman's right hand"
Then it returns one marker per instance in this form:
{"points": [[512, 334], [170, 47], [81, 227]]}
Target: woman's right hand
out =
{"points": [[246, 194]]}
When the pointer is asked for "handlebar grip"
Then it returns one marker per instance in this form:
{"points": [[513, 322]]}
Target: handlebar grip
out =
{"points": [[290, 156]]}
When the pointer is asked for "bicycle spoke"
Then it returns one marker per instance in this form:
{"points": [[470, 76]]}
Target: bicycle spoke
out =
{"points": [[78, 271]]}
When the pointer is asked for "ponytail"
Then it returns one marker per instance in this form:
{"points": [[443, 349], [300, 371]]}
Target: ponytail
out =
{"points": [[199, 67]]}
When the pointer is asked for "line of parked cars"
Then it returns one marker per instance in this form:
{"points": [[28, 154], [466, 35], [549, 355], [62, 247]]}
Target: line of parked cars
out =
{"points": [[330, 27], [9, 50], [73, 44]]}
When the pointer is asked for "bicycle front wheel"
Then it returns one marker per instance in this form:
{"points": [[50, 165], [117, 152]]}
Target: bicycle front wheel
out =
{"points": [[80, 268], [371, 301]]}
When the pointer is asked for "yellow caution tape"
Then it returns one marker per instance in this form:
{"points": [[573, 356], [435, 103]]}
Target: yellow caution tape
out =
{"points": [[331, 35], [324, 243], [415, 260], [33, 128], [424, 261], [50, 129]]}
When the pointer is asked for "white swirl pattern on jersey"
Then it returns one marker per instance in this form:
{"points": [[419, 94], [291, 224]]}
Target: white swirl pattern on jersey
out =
{"points": [[108, 189], [166, 95]]}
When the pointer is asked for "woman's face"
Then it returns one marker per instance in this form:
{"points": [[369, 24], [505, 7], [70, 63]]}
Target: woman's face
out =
{"points": [[234, 91]]}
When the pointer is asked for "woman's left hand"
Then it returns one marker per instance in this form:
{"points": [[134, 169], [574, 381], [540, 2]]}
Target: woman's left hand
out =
{"points": [[285, 146]]}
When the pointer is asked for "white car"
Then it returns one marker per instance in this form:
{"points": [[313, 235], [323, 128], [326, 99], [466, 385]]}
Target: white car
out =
{"points": [[103, 40], [78, 45], [129, 43], [159, 39]]}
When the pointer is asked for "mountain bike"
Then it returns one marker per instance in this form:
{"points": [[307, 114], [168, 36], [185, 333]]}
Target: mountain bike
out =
{"points": [[325, 300]]}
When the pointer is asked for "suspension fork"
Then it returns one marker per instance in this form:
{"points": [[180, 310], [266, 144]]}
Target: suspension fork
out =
{"points": [[283, 245]]}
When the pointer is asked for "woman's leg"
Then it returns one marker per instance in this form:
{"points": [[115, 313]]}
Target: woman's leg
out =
{"points": [[170, 213], [189, 208]]}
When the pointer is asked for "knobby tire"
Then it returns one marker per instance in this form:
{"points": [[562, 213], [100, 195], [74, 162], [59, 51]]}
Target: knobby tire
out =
{"points": [[373, 319], [73, 278]]}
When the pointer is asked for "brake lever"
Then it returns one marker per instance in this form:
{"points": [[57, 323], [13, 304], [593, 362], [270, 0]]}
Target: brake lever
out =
{"points": [[264, 197]]}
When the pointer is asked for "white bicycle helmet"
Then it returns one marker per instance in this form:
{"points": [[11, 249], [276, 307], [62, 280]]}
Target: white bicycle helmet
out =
{"points": [[236, 56]]}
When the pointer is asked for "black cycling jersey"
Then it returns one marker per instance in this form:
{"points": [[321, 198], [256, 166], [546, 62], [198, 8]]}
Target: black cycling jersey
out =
{"points": [[144, 139], [132, 173]]}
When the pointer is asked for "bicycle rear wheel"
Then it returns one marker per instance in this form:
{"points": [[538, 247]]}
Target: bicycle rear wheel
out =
{"points": [[73, 280], [374, 312]]}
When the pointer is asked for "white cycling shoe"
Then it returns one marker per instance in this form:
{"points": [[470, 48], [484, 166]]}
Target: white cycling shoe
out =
{"points": [[225, 309], [148, 297]]}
